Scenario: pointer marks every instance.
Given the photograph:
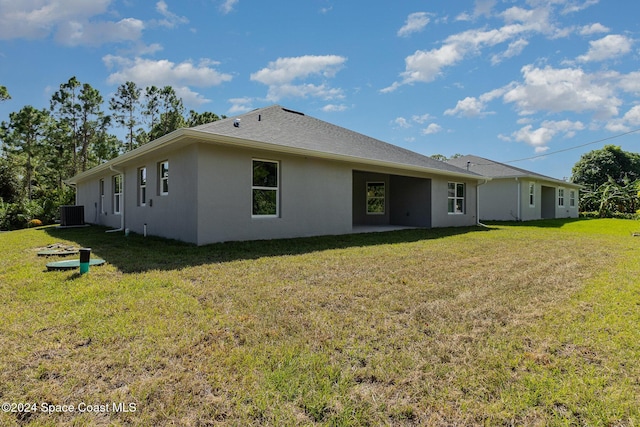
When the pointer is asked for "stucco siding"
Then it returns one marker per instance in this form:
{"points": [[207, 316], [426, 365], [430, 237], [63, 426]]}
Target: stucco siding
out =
{"points": [[439, 208], [314, 196], [498, 200], [171, 215]]}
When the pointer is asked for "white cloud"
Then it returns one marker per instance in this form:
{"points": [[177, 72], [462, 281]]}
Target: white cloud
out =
{"points": [[567, 89], [147, 72], [608, 47], [623, 124], [227, 6], [280, 75], [76, 33], [415, 23], [468, 107], [333, 108], [401, 122], [539, 138], [164, 72], [520, 24], [431, 129], [630, 82], [596, 28], [34, 19], [474, 107], [170, 19], [240, 105], [515, 48], [422, 118]]}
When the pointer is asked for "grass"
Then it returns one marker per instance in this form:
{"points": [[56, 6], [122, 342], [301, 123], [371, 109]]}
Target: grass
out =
{"points": [[518, 324]]}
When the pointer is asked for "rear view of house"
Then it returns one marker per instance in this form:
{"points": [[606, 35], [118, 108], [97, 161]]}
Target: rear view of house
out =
{"points": [[515, 194], [273, 173]]}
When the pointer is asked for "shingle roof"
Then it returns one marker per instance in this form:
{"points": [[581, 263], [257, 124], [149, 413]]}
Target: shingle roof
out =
{"points": [[282, 127], [279, 129], [498, 170]]}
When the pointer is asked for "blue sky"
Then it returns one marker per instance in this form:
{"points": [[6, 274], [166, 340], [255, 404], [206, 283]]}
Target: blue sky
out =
{"points": [[502, 79]]}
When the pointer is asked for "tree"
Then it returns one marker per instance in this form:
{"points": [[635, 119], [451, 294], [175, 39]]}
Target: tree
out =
{"points": [[171, 116], [611, 179], [65, 107], [596, 167], [196, 119], [9, 182], [93, 122], [124, 106], [4, 93], [23, 137]]}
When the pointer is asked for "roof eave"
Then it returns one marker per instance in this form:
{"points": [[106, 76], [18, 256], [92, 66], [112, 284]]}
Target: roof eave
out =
{"points": [[260, 145], [202, 136]]}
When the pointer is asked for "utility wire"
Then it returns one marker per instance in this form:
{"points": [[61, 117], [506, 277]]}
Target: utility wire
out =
{"points": [[573, 148]]}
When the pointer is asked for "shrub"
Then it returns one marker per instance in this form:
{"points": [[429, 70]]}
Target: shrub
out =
{"points": [[34, 223]]}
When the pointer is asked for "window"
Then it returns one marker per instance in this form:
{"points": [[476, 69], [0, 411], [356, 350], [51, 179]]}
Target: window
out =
{"points": [[117, 194], [102, 196], [375, 198], [163, 174], [456, 198], [572, 198], [142, 186], [561, 197], [532, 194], [265, 189]]}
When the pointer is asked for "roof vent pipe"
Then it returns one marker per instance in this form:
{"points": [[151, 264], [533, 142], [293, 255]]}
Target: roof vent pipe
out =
{"points": [[259, 117], [236, 123]]}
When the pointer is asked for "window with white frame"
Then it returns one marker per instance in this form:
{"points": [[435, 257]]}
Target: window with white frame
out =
{"points": [[561, 197], [142, 186], [375, 198], [572, 198], [532, 194], [265, 190], [163, 175], [456, 196], [117, 194]]}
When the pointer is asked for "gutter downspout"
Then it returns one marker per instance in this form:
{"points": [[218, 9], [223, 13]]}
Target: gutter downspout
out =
{"points": [[519, 201], [122, 203], [478, 203]]}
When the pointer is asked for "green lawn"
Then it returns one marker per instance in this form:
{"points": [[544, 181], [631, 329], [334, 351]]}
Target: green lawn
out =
{"points": [[516, 324]]}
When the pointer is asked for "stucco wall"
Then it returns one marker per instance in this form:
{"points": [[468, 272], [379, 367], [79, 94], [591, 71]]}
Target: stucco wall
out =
{"points": [[498, 200], [439, 210], [315, 196], [172, 215]]}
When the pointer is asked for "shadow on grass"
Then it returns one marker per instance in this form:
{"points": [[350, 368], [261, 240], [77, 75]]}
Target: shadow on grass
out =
{"points": [[542, 223], [136, 253]]}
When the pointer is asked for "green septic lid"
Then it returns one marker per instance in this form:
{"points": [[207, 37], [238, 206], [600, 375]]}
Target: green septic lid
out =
{"points": [[72, 263]]}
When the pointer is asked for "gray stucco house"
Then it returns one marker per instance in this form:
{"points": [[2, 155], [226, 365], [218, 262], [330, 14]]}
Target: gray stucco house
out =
{"points": [[272, 173], [515, 194]]}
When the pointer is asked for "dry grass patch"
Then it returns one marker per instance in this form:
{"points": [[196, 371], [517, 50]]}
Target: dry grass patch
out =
{"points": [[532, 324]]}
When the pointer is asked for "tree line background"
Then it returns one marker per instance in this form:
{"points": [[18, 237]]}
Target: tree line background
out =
{"points": [[43, 147]]}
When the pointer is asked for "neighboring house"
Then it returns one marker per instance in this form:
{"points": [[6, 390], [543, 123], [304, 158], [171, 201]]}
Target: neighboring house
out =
{"points": [[519, 194], [272, 173]]}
